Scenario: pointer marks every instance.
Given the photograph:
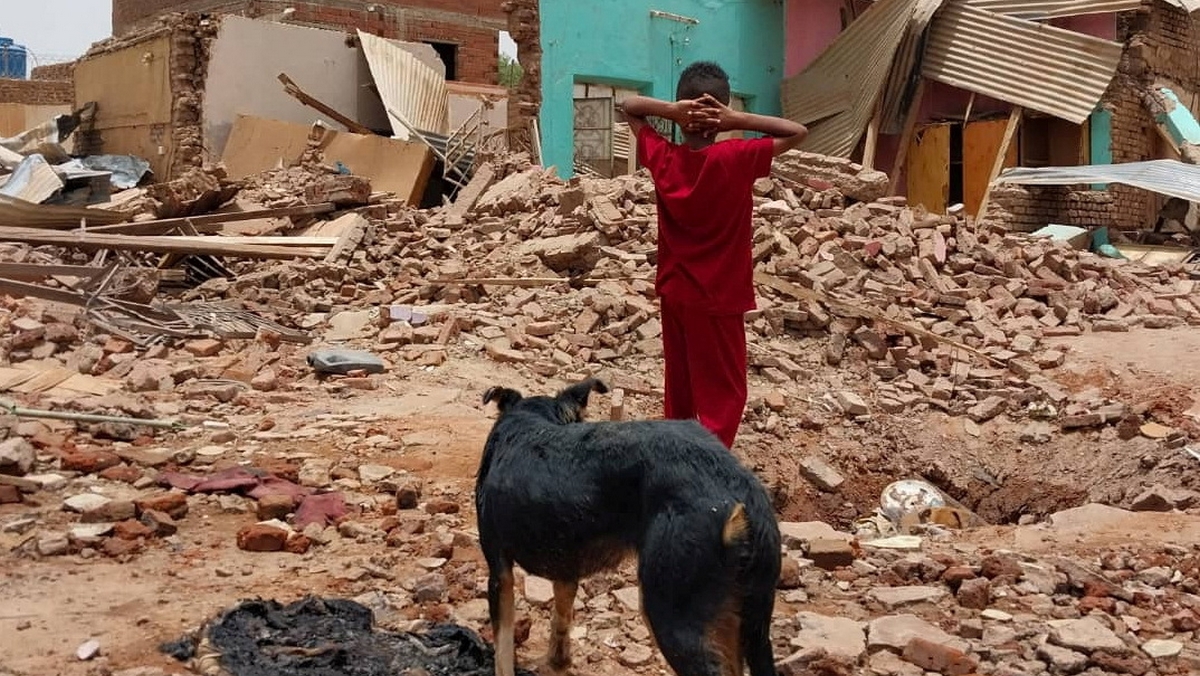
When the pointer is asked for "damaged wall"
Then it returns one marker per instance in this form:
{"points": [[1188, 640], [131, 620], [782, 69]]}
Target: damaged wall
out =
{"points": [[319, 61], [630, 44], [36, 92], [471, 26], [149, 94], [1162, 48], [525, 102]]}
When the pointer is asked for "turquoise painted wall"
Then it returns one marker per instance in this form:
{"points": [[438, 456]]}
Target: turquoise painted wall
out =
{"points": [[618, 42]]}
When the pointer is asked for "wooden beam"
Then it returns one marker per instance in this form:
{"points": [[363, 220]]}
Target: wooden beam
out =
{"points": [[970, 105], [910, 126], [210, 222], [152, 244], [872, 141], [31, 272], [300, 95], [1010, 132]]}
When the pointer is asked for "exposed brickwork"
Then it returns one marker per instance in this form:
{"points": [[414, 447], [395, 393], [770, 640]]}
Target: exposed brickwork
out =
{"points": [[1162, 47], [61, 72], [524, 25], [472, 25], [1030, 208], [191, 37], [37, 92]]}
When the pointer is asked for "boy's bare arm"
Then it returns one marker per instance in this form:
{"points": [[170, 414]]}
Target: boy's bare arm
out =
{"points": [[687, 114]]}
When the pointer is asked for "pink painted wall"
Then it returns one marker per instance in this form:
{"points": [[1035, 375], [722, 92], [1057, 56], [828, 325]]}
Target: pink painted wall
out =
{"points": [[1102, 26], [812, 25]]}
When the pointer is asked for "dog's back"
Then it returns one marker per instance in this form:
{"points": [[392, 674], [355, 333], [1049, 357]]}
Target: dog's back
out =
{"points": [[565, 499]]}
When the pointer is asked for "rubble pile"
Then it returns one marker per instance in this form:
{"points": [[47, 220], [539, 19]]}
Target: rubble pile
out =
{"points": [[952, 316]]}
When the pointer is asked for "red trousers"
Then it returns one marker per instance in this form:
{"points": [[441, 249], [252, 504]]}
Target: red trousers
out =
{"points": [[705, 377]]}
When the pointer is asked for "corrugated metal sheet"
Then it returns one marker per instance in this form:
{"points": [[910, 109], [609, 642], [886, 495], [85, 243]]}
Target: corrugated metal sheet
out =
{"points": [[407, 86], [33, 181], [1166, 177], [906, 68], [1040, 67], [1050, 9], [855, 65]]}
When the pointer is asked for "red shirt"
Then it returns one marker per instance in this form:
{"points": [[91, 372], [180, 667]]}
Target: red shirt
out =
{"points": [[705, 204]]}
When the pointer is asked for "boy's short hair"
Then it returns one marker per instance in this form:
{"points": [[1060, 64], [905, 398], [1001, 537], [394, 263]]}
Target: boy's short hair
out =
{"points": [[700, 78]]}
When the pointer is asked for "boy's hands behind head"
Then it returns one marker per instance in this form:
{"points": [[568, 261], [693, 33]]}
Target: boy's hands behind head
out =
{"points": [[719, 115], [705, 116], [693, 116]]}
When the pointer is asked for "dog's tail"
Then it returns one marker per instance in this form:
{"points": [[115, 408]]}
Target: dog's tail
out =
{"points": [[736, 526]]}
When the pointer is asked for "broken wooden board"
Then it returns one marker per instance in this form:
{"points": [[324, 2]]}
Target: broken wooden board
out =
{"points": [[32, 272], [156, 244], [19, 213], [210, 222], [400, 167]]}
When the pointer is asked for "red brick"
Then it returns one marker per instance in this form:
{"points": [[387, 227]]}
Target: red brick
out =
{"points": [[259, 538], [943, 659]]}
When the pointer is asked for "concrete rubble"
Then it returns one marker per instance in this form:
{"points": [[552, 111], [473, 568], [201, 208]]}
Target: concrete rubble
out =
{"points": [[870, 311]]}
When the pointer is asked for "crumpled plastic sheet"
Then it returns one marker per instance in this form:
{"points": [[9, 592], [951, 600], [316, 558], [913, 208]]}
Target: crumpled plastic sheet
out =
{"points": [[326, 637]]}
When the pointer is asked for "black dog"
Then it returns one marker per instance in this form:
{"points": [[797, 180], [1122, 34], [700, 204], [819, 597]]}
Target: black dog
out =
{"points": [[565, 499]]}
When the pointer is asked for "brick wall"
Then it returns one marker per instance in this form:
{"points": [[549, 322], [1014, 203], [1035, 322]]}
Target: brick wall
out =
{"points": [[1027, 208], [37, 92], [1163, 47], [472, 25], [61, 72]]}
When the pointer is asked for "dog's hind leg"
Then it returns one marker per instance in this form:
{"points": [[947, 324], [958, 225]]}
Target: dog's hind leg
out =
{"points": [[502, 611], [559, 658], [757, 608]]}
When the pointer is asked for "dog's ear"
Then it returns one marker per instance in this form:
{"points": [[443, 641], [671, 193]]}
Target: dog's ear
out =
{"points": [[503, 396], [578, 394]]}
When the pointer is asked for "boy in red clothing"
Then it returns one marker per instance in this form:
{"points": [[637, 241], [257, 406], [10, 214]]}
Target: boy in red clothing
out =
{"points": [[705, 204]]}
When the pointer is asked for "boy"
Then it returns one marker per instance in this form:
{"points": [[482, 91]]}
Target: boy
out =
{"points": [[705, 204]]}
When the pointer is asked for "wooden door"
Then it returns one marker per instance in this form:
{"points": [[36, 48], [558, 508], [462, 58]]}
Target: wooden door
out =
{"points": [[928, 168], [981, 142]]}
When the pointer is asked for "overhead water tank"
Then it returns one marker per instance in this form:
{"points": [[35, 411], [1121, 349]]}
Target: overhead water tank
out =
{"points": [[13, 59]]}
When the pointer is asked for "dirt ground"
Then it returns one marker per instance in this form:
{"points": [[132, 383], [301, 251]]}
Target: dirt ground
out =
{"points": [[430, 423]]}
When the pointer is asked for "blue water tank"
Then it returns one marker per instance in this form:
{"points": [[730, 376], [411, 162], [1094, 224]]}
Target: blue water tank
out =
{"points": [[13, 59]]}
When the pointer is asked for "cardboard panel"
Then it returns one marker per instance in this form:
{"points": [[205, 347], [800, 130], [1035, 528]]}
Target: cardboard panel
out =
{"points": [[396, 166], [928, 168], [132, 86], [981, 142]]}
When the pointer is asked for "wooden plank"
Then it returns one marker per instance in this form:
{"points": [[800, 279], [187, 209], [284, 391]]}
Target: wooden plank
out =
{"points": [[1010, 132], [928, 168], [872, 141], [11, 377], [156, 244], [32, 272], [211, 222], [273, 240], [304, 97], [18, 213], [43, 380], [910, 126], [981, 143]]}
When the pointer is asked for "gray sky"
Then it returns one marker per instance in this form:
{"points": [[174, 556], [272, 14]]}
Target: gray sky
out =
{"points": [[55, 30], [39, 25]]}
